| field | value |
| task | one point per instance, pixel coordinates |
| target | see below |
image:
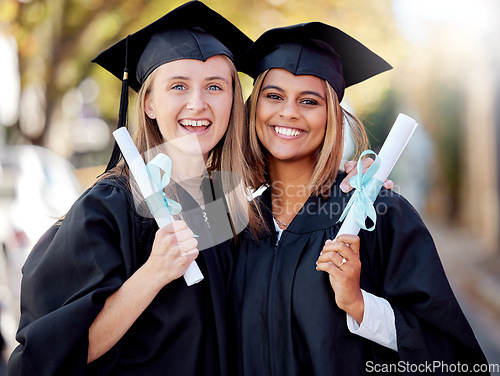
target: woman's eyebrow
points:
(272, 87)
(185, 78)
(307, 92)
(211, 78)
(179, 78)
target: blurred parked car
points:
(36, 188)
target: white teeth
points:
(287, 131)
(195, 123)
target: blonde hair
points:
(328, 156)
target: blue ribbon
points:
(158, 200)
(367, 189)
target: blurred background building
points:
(446, 58)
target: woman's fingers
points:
(351, 170)
(334, 258)
(342, 253)
(344, 244)
(351, 241)
(174, 226)
(174, 248)
(340, 259)
(328, 267)
(175, 232)
(183, 235)
(349, 166)
(187, 245)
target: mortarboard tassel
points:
(122, 115)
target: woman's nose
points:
(196, 101)
(289, 110)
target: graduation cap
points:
(313, 49)
(190, 31)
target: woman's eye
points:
(274, 96)
(309, 101)
(214, 87)
(178, 87)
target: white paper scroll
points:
(396, 141)
(138, 168)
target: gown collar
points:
(316, 214)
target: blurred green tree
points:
(58, 38)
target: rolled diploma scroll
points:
(138, 168)
(393, 146)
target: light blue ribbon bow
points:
(158, 200)
(367, 189)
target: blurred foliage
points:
(58, 38)
(447, 103)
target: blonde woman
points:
(305, 302)
(102, 293)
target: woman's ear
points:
(148, 107)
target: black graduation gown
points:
(75, 267)
(289, 324)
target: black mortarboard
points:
(190, 31)
(313, 49)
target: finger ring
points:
(343, 262)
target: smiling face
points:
(192, 97)
(291, 115)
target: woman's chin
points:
(283, 156)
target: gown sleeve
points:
(407, 271)
(66, 280)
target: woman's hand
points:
(174, 248)
(351, 170)
(340, 259)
